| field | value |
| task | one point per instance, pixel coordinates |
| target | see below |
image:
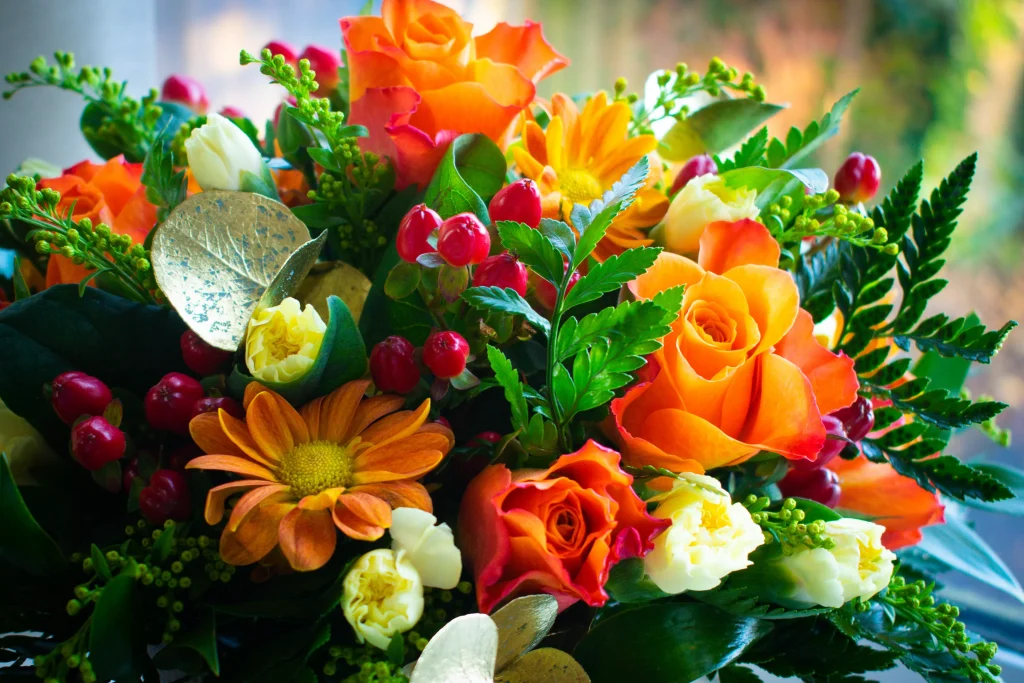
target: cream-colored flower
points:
(428, 545)
(283, 341)
(858, 566)
(24, 446)
(383, 595)
(710, 536)
(702, 201)
(219, 152)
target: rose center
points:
(565, 526)
(713, 325)
(280, 340)
(316, 466)
(578, 185)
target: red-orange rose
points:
(557, 531)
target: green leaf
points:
(631, 323)
(534, 249)
(115, 647)
(508, 378)
(959, 547)
(470, 173)
(1010, 477)
(666, 642)
(737, 674)
(714, 128)
(616, 271)
(774, 184)
(750, 153)
(198, 639)
(593, 220)
(382, 316)
(21, 290)
(402, 281)
(507, 301)
(165, 186)
(800, 144)
(396, 650)
(627, 583)
(23, 543)
(325, 158)
(560, 235)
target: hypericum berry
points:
(131, 472)
(694, 168)
(545, 291)
(279, 47)
(200, 357)
(232, 112)
(169, 403)
(445, 354)
(414, 230)
(463, 239)
(442, 420)
(393, 366)
(502, 270)
(485, 439)
(857, 180)
(835, 441)
(325, 62)
(187, 91)
(166, 497)
(858, 419)
(820, 485)
(518, 201)
(76, 394)
(212, 404)
(95, 442)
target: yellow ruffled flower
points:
(704, 200)
(24, 446)
(383, 595)
(710, 536)
(283, 341)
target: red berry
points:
(833, 428)
(502, 270)
(180, 456)
(445, 353)
(858, 419)
(857, 180)
(414, 230)
(694, 168)
(232, 112)
(200, 357)
(518, 201)
(131, 472)
(820, 485)
(169, 403)
(463, 239)
(279, 47)
(95, 442)
(166, 497)
(187, 91)
(545, 291)
(393, 367)
(442, 420)
(325, 62)
(213, 404)
(485, 439)
(76, 394)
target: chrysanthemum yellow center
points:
(578, 185)
(316, 466)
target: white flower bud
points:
(430, 548)
(218, 152)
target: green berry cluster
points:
(71, 655)
(97, 248)
(177, 145)
(369, 663)
(787, 526)
(675, 86)
(823, 216)
(126, 124)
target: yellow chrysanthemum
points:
(580, 156)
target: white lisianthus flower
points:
(428, 545)
(710, 536)
(858, 566)
(283, 341)
(218, 152)
(704, 200)
(383, 595)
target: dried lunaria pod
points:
(221, 254)
(477, 648)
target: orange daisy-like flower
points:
(342, 462)
(580, 156)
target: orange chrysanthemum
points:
(580, 156)
(343, 461)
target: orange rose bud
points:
(557, 531)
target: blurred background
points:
(939, 79)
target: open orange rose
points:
(110, 193)
(418, 79)
(888, 498)
(740, 372)
(556, 531)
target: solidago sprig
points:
(822, 216)
(787, 526)
(96, 247)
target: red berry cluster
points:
(393, 364)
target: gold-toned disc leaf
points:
(217, 253)
(522, 624)
(546, 665)
(461, 652)
(337, 278)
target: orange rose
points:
(418, 79)
(741, 371)
(888, 498)
(110, 193)
(556, 531)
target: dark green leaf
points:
(507, 377)
(714, 128)
(628, 583)
(507, 301)
(1010, 477)
(614, 272)
(960, 547)
(396, 650)
(737, 674)
(23, 542)
(470, 173)
(383, 316)
(115, 648)
(200, 638)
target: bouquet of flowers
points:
(431, 379)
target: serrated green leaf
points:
(616, 271)
(560, 235)
(750, 153)
(507, 301)
(601, 212)
(799, 145)
(534, 249)
(508, 378)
